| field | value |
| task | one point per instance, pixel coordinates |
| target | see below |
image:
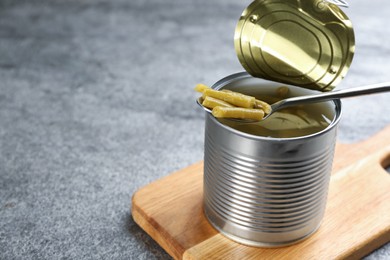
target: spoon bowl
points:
(326, 96)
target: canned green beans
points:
(261, 190)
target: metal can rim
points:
(241, 75)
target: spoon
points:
(288, 102)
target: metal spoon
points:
(288, 102)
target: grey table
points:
(97, 100)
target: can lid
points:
(304, 43)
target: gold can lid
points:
(304, 43)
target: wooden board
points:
(356, 221)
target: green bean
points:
(201, 88)
(263, 105)
(238, 112)
(233, 98)
(282, 91)
(211, 102)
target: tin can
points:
(263, 191)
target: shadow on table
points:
(145, 241)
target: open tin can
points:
(266, 191)
(272, 191)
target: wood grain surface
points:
(356, 220)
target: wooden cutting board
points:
(356, 221)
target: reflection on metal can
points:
(265, 191)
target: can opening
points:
(294, 122)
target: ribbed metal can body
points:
(266, 192)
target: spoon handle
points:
(351, 92)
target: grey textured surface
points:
(96, 101)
